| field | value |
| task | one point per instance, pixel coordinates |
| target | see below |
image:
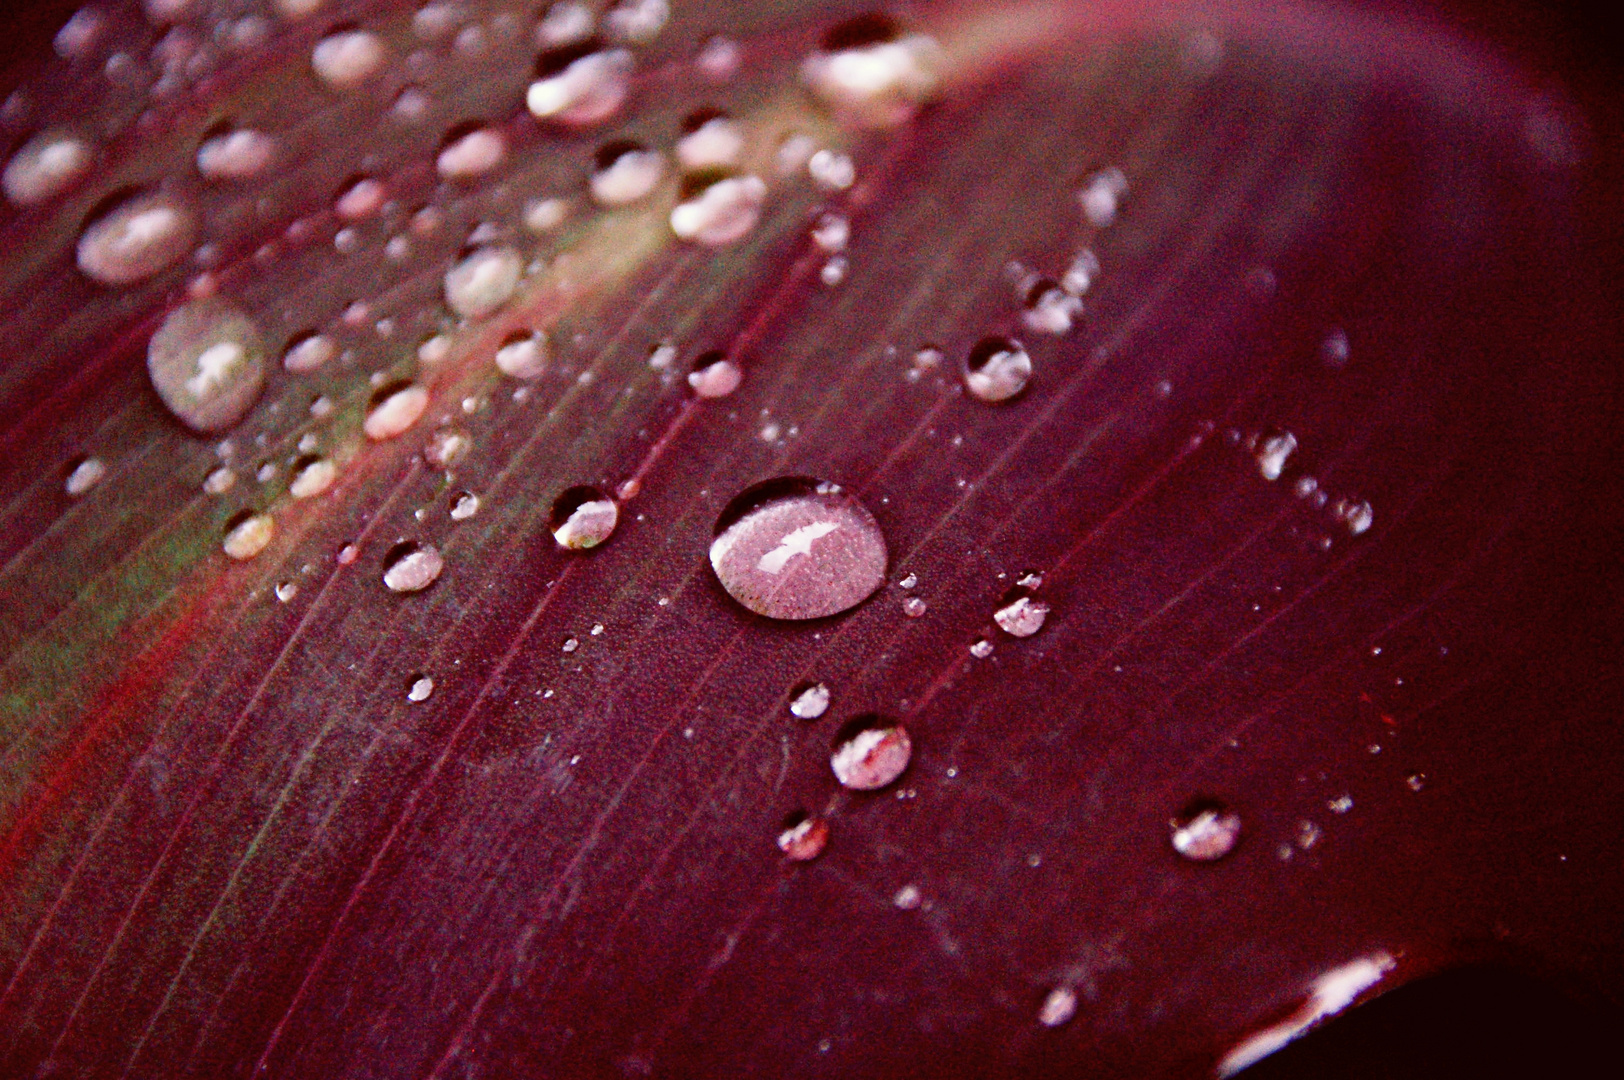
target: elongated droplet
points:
(394, 409)
(309, 352)
(869, 753)
(142, 236)
(997, 369)
(207, 362)
(1205, 830)
(235, 154)
(803, 837)
(583, 517)
(311, 477)
(624, 171)
(710, 140)
(717, 209)
(797, 548)
(871, 73)
(45, 166)
(419, 688)
(470, 151)
(348, 58)
(85, 474)
(247, 534)
(411, 567)
(809, 701)
(523, 355)
(1058, 1007)
(580, 83)
(483, 281)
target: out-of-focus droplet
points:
(1205, 830)
(470, 150)
(715, 209)
(309, 352)
(483, 281)
(796, 548)
(361, 198)
(913, 607)
(85, 474)
(997, 369)
(247, 534)
(298, 9)
(719, 59)
(579, 83)
(1101, 195)
(869, 72)
(348, 58)
(1273, 452)
(1021, 615)
(803, 837)
(1047, 308)
(1059, 1006)
(636, 21)
(393, 409)
(809, 700)
(80, 35)
(833, 272)
(45, 166)
(869, 753)
(235, 154)
(832, 232)
(464, 506)
(545, 215)
(624, 171)
(1079, 276)
(1334, 349)
(523, 355)
(1416, 781)
(446, 447)
(219, 481)
(583, 517)
(141, 236)
(566, 23)
(419, 687)
(714, 375)
(311, 477)
(831, 171)
(411, 567)
(207, 362)
(1358, 517)
(710, 139)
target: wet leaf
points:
(330, 746)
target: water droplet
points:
(139, 237)
(45, 166)
(636, 21)
(714, 375)
(913, 607)
(1416, 781)
(869, 753)
(1359, 517)
(235, 154)
(871, 73)
(419, 687)
(360, 199)
(545, 215)
(394, 408)
(464, 506)
(715, 208)
(833, 271)
(298, 9)
(286, 590)
(809, 700)
(347, 58)
(909, 581)
(80, 35)
(207, 363)
(1101, 195)
(446, 446)
(1058, 1007)
(719, 59)
(1205, 830)
(523, 355)
(803, 837)
(309, 352)
(484, 281)
(832, 232)
(583, 517)
(1335, 350)
(1273, 452)
(311, 477)
(411, 567)
(571, 644)
(1048, 308)
(906, 898)
(981, 648)
(1308, 834)
(710, 139)
(1031, 580)
(1021, 615)
(997, 369)
(624, 171)
(247, 534)
(470, 150)
(831, 171)
(1080, 275)
(565, 22)
(219, 481)
(85, 474)
(579, 83)
(1340, 805)
(796, 548)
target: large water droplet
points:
(45, 166)
(483, 281)
(624, 171)
(1205, 830)
(802, 836)
(871, 73)
(716, 209)
(137, 238)
(1021, 615)
(393, 409)
(583, 517)
(411, 567)
(247, 534)
(997, 369)
(797, 548)
(579, 83)
(347, 58)
(869, 753)
(207, 363)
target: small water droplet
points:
(624, 171)
(719, 59)
(484, 281)
(710, 139)
(348, 57)
(136, 239)
(523, 355)
(1334, 349)
(219, 481)
(809, 700)
(832, 232)
(1047, 308)
(832, 171)
(233, 153)
(1031, 580)
(446, 446)
(394, 408)
(796, 548)
(286, 590)
(1101, 196)
(1021, 615)
(1205, 830)
(1059, 1006)
(85, 474)
(716, 208)
(45, 166)
(981, 648)
(1359, 517)
(913, 607)
(1079, 276)
(1308, 834)
(419, 687)
(309, 352)
(571, 644)
(1273, 452)
(803, 837)
(909, 581)
(906, 898)
(1416, 781)
(247, 533)
(1340, 805)
(470, 150)
(869, 753)
(207, 363)
(360, 199)
(583, 517)
(833, 272)
(997, 369)
(578, 83)
(872, 74)
(636, 21)
(410, 566)
(714, 375)
(311, 477)
(464, 506)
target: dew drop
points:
(709, 139)
(803, 837)
(624, 171)
(716, 209)
(446, 446)
(832, 232)
(1416, 781)
(1079, 276)
(831, 171)
(545, 215)
(1205, 830)
(906, 898)
(1273, 452)
(809, 700)
(1334, 349)
(637, 21)
(565, 22)
(235, 154)
(833, 272)
(1021, 615)
(1048, 308)
(45, 166)
(797, 548)
(360, 199)
(1101, 195)
(410, 567)
(464, 506)
(286, 590)
(309, 352)
(981, 648)
(207, 363)
(484, 281)
(298, 9)
(869, 72)
(394, 408)
(997, 369)
(469, 151)
(247, 534)
(571, 644)
(139, 237)
(714, 375)
(523, 355)
(1058, 1007)
(579, 83)
(1359, 517)
(913, 607)
(347, 58)
(1340, 805)
(311, 477)
(85, 474)
(219, 481)
(583, 517)
(419, 688)
(869, 753)
(80, 34)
